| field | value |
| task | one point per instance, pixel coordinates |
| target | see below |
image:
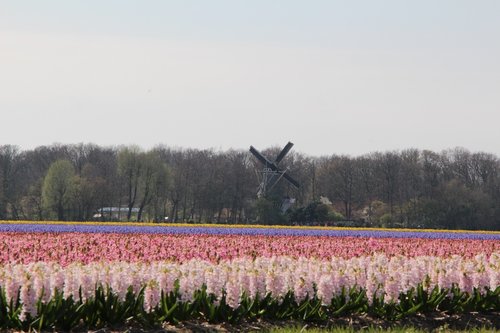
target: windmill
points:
(272, 174)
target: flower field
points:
(67, 275)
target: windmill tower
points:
(271, 174)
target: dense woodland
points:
(411, 188)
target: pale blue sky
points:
(345, 77)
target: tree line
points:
(455, 188)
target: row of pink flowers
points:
(66, 248)
(377, 274)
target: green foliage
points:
(58, 187)
(322, 212)
(269, 211)
(315, 212)
(105, 309)
(335, 216)
(386, 220)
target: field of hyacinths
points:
(91, 275)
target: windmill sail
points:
(271, 173)
(283, 153)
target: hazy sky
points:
(343, 77)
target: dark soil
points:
(427, 322)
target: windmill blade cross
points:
(283, 152)
(291, 180)
(262, 159)
(271, 170)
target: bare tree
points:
(338, 176)
(129, 169)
